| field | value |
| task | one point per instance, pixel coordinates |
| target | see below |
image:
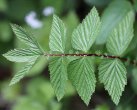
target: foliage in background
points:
(7, 41)
(112, 73)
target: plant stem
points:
(133, 62)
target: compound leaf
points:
(84, 36)
(112, 73)
(81, 74)
(58, 75)
(121, 36)
(58, 35)
(25, 37)
(18, 76)
(21, 55)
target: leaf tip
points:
(86, 102)
(116, 102)
(5, 56)
(55, 16)
(94, 8)
(59, 98)
(13, 25)
(11, 83)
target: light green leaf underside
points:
(111, 17)
(121, 36)
(84, 36)
(19, 75)
(58, 35)
(58, 75)
(81, 74)
(26, 37)
(112, 73)
(21, 55)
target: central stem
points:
(96, 55)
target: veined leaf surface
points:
(19, 75)
(81, 74)
(21, 55)
(58, 35)
(112, 73)
(85, 34)
(58, 75)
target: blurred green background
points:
(34, 92)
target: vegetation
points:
(81, 58)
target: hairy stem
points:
(133, 62)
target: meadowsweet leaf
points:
(111, 17)
(58, 75)
(58, 35)
(21, 55)
(112, 73)
(121, 36)
(85, 34)
(26, 37)
(19, 75)
(81, 74)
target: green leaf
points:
(21, 55)
(81, 74)
(18, 76)
(111, 17)
(121, 36)
(58, 35)
(25, 37)
(112, 73)
(84, 36)
(58, 75)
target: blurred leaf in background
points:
(122, 108)
(102, 107)
(111, 16)
(3, 5)
(134, 80)
(39, 96)
(27, 103)
(10, 93)
(41, 90)
(5, 31)
(135, 4)
(98, 3)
